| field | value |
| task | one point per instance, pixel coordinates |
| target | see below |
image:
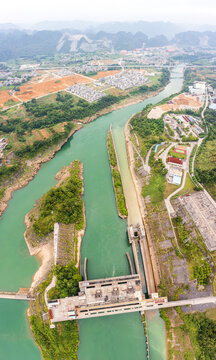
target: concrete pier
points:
(85, 268)
(130, 263)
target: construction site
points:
(181, 102)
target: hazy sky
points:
(181, 11)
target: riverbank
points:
(35, 164)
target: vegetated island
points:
(61, 205)
(37, 129)
(116, 177)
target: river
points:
(105, 244)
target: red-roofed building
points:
(176, 161)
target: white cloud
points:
(196, 11)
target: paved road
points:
(145, 164)
(50, 286)
(164, 154)
(200, 140)
(147, 167)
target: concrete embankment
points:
(148, 252)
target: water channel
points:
(105, 244)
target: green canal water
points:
(104, 244)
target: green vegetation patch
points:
(67, 283)
(188, 138)
(202, 273)
(2, 190)
(205, 171)
(58, 343)
(111, 150)
(198, 267)
(118, 188)
(157, 183)
(29, 151)
(202, 332)
(62, 204)
(150, 130)
(171, 132)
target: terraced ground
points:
(67, 244)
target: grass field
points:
(169, 189)
(176, 154)
(188, 188)
(155, 188)
(208, 151)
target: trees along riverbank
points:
(38, 129)
(62, 204)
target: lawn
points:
(169, 189)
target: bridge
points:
(112, 296)
(22, 294)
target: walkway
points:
(15, 295)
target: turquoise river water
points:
(104, 244)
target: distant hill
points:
(194, 38)
(20, 44)
(16, 43)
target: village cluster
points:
(86, 92)
(11, 80)
(126, 79)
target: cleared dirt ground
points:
(30, 90)
(4, 97)
(102, 74)
(180, 102)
